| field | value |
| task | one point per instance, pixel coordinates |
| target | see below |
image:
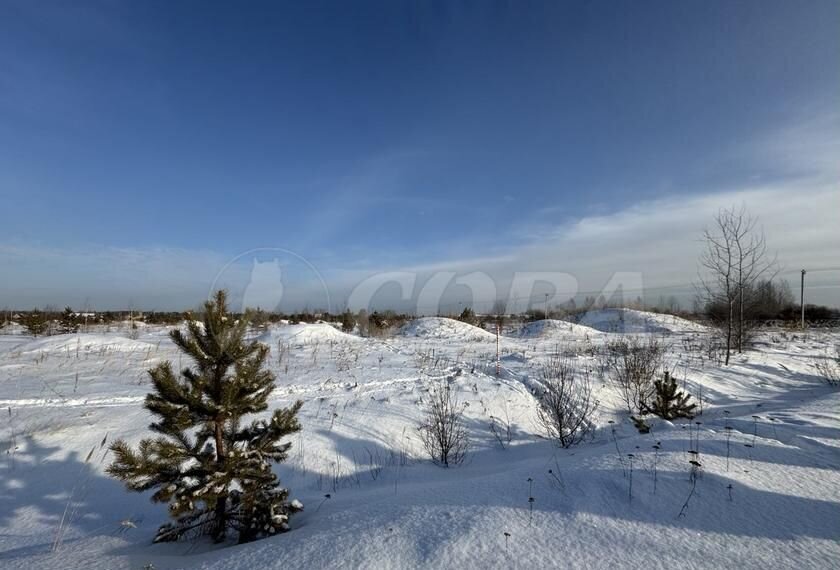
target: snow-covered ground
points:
(774, 503)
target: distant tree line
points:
(761, 301)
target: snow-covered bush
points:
(566, 404)
(442, 430)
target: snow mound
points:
(11, 328)
(85, 343)
(443, 328)
(554, 327)
(632, 321)
(305, 334)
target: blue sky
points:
(167, 138)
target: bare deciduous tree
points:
(753, 264)
(566, 404)
(735, 259)
(442, 431)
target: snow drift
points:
(443, 328)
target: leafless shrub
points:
(631, 366)
(566, 404)
(422, 358)
(828, 367)
(283, 349)
(431, 359)
(714, 349)
(442, 431)
(501, 427)
(344, 357)
(315, 347)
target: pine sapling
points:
(669, 403)
(213, 470)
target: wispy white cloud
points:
(658, 239)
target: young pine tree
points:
(468, 316)
(214, 471)
(68, 323)
(35, 322)
(670, 403)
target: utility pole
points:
(802, 300)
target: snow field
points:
(774, 502)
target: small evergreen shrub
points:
(468, 316)
(669, 402)
(68, 323)
(35, 322)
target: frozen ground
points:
(776, 504)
